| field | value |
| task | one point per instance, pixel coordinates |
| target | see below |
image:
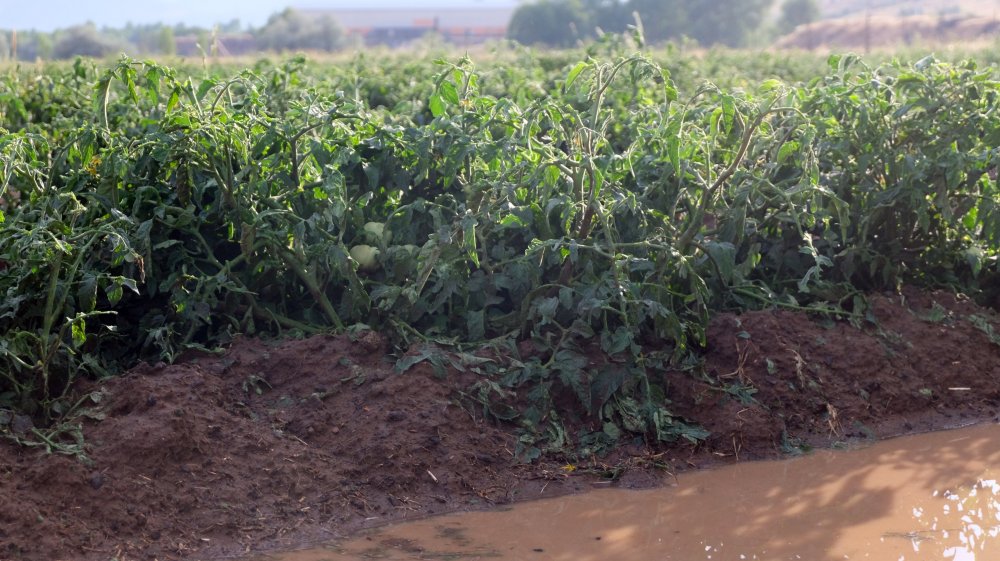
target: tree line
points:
(284, 31)
(563, 23)
(556, 23)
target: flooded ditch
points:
(930, 496)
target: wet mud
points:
(928, 497)
(273, 446)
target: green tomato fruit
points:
(365, 256)
(375, 231)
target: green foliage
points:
(285, 31)
(797, 12)
(908, 152)
(662, 19)
(563, 23)
(594, 209)
(166, 43)
(725, 22)
(709, 22)
(83, 40)
(291, 30)
(43, 47)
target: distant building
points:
(394, 27)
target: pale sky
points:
(46, 15)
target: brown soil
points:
(278, 445)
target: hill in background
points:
(880, 24)
(834, 9)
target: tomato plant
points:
(595, 208)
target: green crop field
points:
(604, 201)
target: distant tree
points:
(797, 12)
(143, 38)
(557, 23)
(726, 22)
(4, 45)
(293, 30)
(562, 23)
(44, 47)
(661, 19)
(166, 43)
(710, 22)
(82, 40)
(234, 26)
(608, 15)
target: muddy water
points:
(933, 496)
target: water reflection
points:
(930, 497)
(967, 524)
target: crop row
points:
(587, 206)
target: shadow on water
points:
(828, 505)
(927, 497)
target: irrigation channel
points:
(931, 496)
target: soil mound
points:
(274, 445)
